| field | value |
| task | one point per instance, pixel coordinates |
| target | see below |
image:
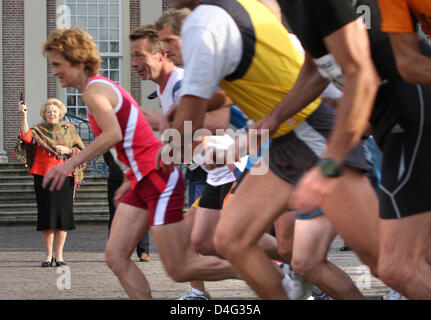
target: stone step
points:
(31, 197)
(30, 217)
(16, 179)
(11, 166)
(76, 210)
(82, 191)
(29, 185)
(19, 165)
(21, 220)
(25, 186)
(26, 213)
(25, 178)
(76, 205)
(13, 172)
(13, 191)
(18, 200)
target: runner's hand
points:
(270, 123)
(121, 191)
(311, 191)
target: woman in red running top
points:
(149, 197)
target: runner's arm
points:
(413, 66)
(153, 117)
(351, 49)
(298, 98)
(217, 119)
(191, 108)
(219, 100)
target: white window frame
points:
(104, 55)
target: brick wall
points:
(51, 24)
(135, 21)
(167, 4)
(13, 70)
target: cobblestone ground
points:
(21, 277)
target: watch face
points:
(329, 168)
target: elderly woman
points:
(40, 148)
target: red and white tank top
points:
(139, 147)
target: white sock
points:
(285, 283)
(316, 290)
(198, 292)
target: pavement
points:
(88, 278)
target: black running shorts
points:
(213, 197)
(406, 171)
(293, 154)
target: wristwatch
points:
(330, 168)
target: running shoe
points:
(394, 295)
(191, 295)
(317, 294)
(144, 257)
(296, 287)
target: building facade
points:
(26, 25)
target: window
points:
(101, 19)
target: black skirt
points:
(54, 209)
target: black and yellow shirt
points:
(269, 65)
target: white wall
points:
(35, 71)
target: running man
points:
(213, 199)
(235, 50)
(155, 198)
(152, 64)
(219, 180)
(400, 122)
